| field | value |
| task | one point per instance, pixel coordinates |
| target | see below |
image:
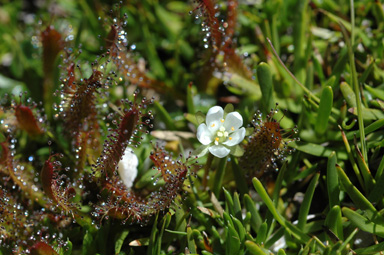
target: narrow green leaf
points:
(377, 192)
(250, 88)
(332, 181)
(351, 158)
(181, 233)
(227, 219)
(366, 173)
(347, 241)
(232, 241)
(367, 71)
(67, 248)
(324, 111)
(239, 176)
(251, 207)
(152, 239)
(380, 169)
(191, 241)
(334, 222)
(200, 151)
(290, 228)
(120, 240)
(88, 247)
(264, 77)
(229, 108)
(317, 150)
(200, 117)
(261, 236)
(190, 103)
(368, 113)
(358, 199)
(237, 206)
(228, 201)
(374, 249)
(355, 82)
(239, 228)
(219, 176)
(369, 129)
(299, 39)
(164, 116)
(254, 249)
(363, 223)
(305, 206)
(348, 94)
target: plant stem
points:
(219, 176)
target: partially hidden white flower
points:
(127, 167)
(220, 134)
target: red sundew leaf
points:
(124, 204)
(70, 80)
(42, 248)
(27, 120)
(230, 25)
(265, 145)
(52, 45)
(209, 11)
(234, 63)
(274, 131)
(130, 69)
(115, 152)
(165, 163)
(47, 174)
(4, 153)
(81, 103)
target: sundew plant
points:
(191, 127)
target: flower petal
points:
(233, 120)
(219, 151)
(214, 116)
(127, 167)
(237, 137)
(203, 134)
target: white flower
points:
(127, 167)
(221, 134)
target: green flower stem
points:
(206, 170)
(219, 176)
(351, 158)
(239, 176)
(349, 42)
